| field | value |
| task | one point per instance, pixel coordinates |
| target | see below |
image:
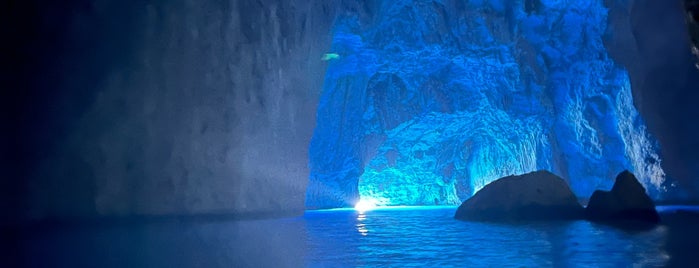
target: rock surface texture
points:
(539, 195)
(652, 39)
(626, 201)
(187, 107)
(429, 101)
(173, 107)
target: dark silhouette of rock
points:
(626, 201)
(539, 195)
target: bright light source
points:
(364, 205)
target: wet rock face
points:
(653, 40)
(430, 101)
(626, 201)
(539, 195)
(180, 108)
(692, 18)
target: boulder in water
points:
(626, 201)
(539, 195)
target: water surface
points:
(408, 237)
(347, 238)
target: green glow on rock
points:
(330, 56)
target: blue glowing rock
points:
(626, 201)
(539, 195)
(431, 101)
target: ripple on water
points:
(345, 238)
(418, 237)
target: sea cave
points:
(346, 133)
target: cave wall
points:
(167, 107)
(651, 39)
(431, 100)
(181, 107)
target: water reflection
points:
(433, 237)
(361, 227)
(176, 243)
(341, 238)
(584, 241)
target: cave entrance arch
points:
(427, 102)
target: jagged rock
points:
(692, 18)
(626, 201)
(539, 195)
(462, 93)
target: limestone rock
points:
(461, 93)
(626, 201)
(183, 108)
(539, 195)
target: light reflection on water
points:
(361, 227)
(433, 237)
(425, 237)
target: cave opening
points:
(460, 94)
(213, 133)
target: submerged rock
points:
(539, 195)
(626, 201)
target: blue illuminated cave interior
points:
(350, 133)
(425, 102)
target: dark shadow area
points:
(650, 38)
(54, 57)
(682, 238)
(211, 241)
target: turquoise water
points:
(424, 237)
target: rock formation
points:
(626, 201)
(429, 101)
(539, 195)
